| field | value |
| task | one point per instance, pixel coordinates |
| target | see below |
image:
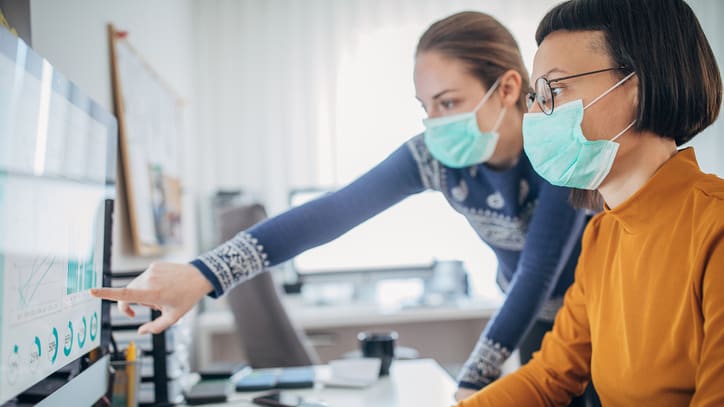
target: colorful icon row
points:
(72, 336)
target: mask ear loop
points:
(623, 131)
(488, 94)
(500, 120)
(611, 89)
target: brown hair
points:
(481, 42)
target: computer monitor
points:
(415, 233)
(374, 243)
(57, 184)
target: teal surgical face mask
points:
(457, 142)
(561, 154)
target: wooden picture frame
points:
(150, 119)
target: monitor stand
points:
(84, 389)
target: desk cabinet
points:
(446, 334)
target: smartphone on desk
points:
(284, 378)
(281, 399)
(224, 370)
(256, 381)
(296, 378)
(208, 391)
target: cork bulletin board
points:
(150, 123)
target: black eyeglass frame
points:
(532, 96)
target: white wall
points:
(709, 145)
(72, 35)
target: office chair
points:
(269, 338)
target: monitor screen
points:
(413, 233)
(57, 169)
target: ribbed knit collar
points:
(669, 182)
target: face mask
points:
(561, 154)
(457, 142)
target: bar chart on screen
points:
(82, 274)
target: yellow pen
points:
(131, 374)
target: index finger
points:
(123, 294)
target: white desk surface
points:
(332, 316)
(412, 383)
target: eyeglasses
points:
(543, 94)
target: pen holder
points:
(126, 381)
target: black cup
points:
(378, 345)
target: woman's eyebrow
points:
(437, 95)
(442, 93)
(555, 70)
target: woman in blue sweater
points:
(471, 80)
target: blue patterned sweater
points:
(528, 223)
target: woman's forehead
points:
(570, 52)
(434, 71)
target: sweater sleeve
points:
(710, 371)
(317, 222)
(553, 237)
(558, 372)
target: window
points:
(376, 112)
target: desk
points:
(412, 383)
(445, 333)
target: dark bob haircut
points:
(680, 87)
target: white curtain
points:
(298, 93)
(709, 145)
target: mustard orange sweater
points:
(645, 316)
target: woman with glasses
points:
(619, 86)
(471, 81)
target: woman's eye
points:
(447, 104)
(556, 91)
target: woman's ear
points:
(633, 90)
(509, 88)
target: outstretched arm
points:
(176, 288)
